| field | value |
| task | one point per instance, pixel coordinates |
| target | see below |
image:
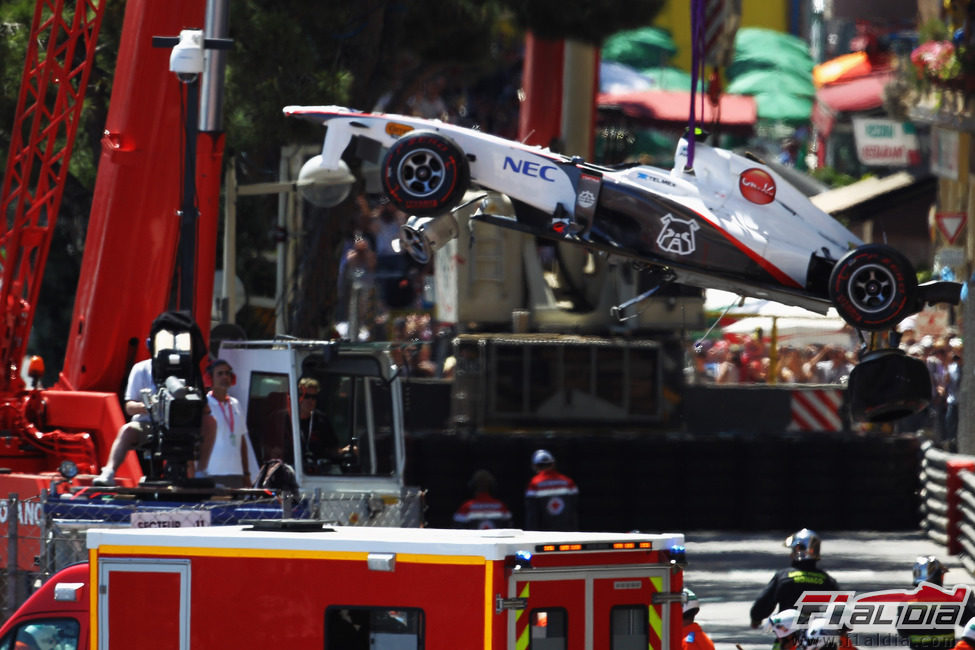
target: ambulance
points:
(308, 584)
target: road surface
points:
(728, 570)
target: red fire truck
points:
(305, 584)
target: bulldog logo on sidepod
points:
(677, 235)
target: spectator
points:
(829, 364)
(484, 510)
(551, 498)
(790, 369)
(410, 351)
(230, 461)
(953, 374)
(729, 366)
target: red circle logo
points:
(757, 185)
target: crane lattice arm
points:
(61, 51)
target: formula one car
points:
(729, 222)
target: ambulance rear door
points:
(614, 607)
(143, 603)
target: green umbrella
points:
(769, 42)
(764, 49)
(668, 78)
(758, 81)
(782, 107)
(640, 48)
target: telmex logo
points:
(924, 607)
(529, 168)
(757, 186)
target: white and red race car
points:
(730, 223)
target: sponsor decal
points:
(677, 235)
(529, 168)
(29, 513)
(926, 607)
(757, 186)
(586, 199)
(396, 129)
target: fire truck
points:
(308, 584)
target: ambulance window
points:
(628, 627)
(549, 629)
(45, 634)
(374, 628)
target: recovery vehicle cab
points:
(305, 584)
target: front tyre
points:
(425, 173)
(873, 287)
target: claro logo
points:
(757, 186)
(529, 168)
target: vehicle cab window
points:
(43, 634)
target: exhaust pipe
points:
(424, 236)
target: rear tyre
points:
(873, 287)
(888, 385)
(425, 173)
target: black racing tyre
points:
(888, 385)
(873, 287)
(425, 173)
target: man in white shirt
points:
(230, 460)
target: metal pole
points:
(230, 305)
(214, 64)
(13, 519)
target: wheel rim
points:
(421, 172)
(415, 244)
(872, 288)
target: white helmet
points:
(782, 624)
(804, 544)
(816, 636)
(927, 568)
(691, 601)
(969, 631)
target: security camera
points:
(186, 59)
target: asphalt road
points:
(728, 570)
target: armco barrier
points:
(948, 501)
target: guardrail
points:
(948, 501)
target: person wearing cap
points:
(787, 585)
(694, 637)
(484, 510)
(928, 570)
(229, 458)
(551, 498)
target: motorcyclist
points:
(693, 636)
(787, 585)
(929, 570)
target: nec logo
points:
(528, 168)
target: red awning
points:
(863, 94)
(673, 108)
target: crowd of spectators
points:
(750, 361)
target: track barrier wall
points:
(948, 501)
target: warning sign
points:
(950, 224)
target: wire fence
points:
(45, 534)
